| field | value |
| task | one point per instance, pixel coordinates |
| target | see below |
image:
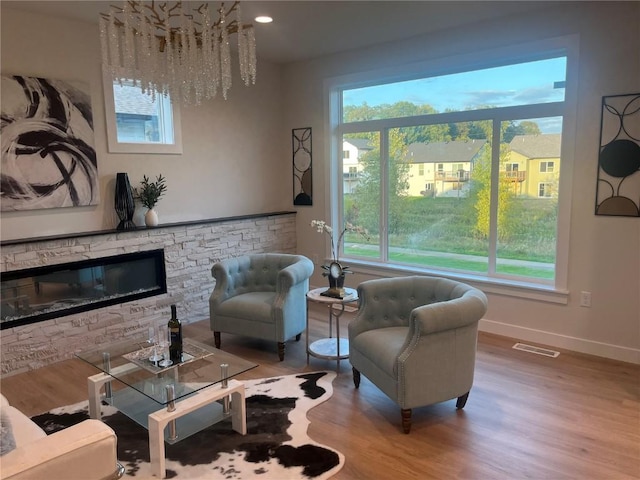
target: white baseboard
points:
(614, 352)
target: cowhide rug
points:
(276, 446)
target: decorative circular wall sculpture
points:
(302, 178)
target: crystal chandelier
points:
(168, 48)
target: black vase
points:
(125, 206)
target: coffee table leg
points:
(156, 448)
(239, 412)
(95, 383)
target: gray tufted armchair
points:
(261, 296)
(415, 339)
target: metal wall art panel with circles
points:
(302, 178)
(618, 186)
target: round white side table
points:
(332, 348)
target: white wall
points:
(232, 163)
(604, 251)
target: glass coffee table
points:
(171, 402)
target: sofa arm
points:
(449, 315)
(84, 451)
(221, 290)
(294, 274)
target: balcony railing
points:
(460, 176)
(514, 176)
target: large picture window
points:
(457, 173)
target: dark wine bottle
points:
(175, 334)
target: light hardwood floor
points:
(528, 416)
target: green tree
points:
(365, 206)
(522, 128)
(480, 195)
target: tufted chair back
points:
(252, 273)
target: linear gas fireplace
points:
(42, 293)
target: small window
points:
(547, 167)
(345, 154)
(421, 169)
(544, 190)
(138, 122)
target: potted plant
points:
(149, 193)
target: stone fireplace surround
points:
(191, 249)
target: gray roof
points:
(537, 146)
(131, 100)
(360, 143)
(459, 151)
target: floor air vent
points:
(537, 350)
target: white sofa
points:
(84, 451)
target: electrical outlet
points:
(315, 258)
(585, 299)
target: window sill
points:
(498, 286)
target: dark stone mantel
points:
(63, 236)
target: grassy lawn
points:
(469, 265)
(449, 225)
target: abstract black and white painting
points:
(47, 141)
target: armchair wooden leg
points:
(356, 377)
(281, 350)
(406, 419)
(216, 339)
(462, 401)
(298, 336)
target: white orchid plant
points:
(322, 227)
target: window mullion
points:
(494, 195)
(384, 194)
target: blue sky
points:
(519, 84)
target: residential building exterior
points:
(533, 165)
(442, 169)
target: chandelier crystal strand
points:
(225, 56)
(143, 47)
(113, 63)
(181, 59)
(168, 70)
(242, 48)
(216, 59)
(251, 42)
(207, 55)
(104, 39)
(195, 59)
(148, 72)
(129, 62)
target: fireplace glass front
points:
(42, 293)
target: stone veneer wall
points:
(190, 250)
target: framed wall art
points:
(618, 186)
(47, 138)
(302, 175)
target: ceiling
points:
(305, 29)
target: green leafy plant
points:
(150, 192)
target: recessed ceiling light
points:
(264, 19)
